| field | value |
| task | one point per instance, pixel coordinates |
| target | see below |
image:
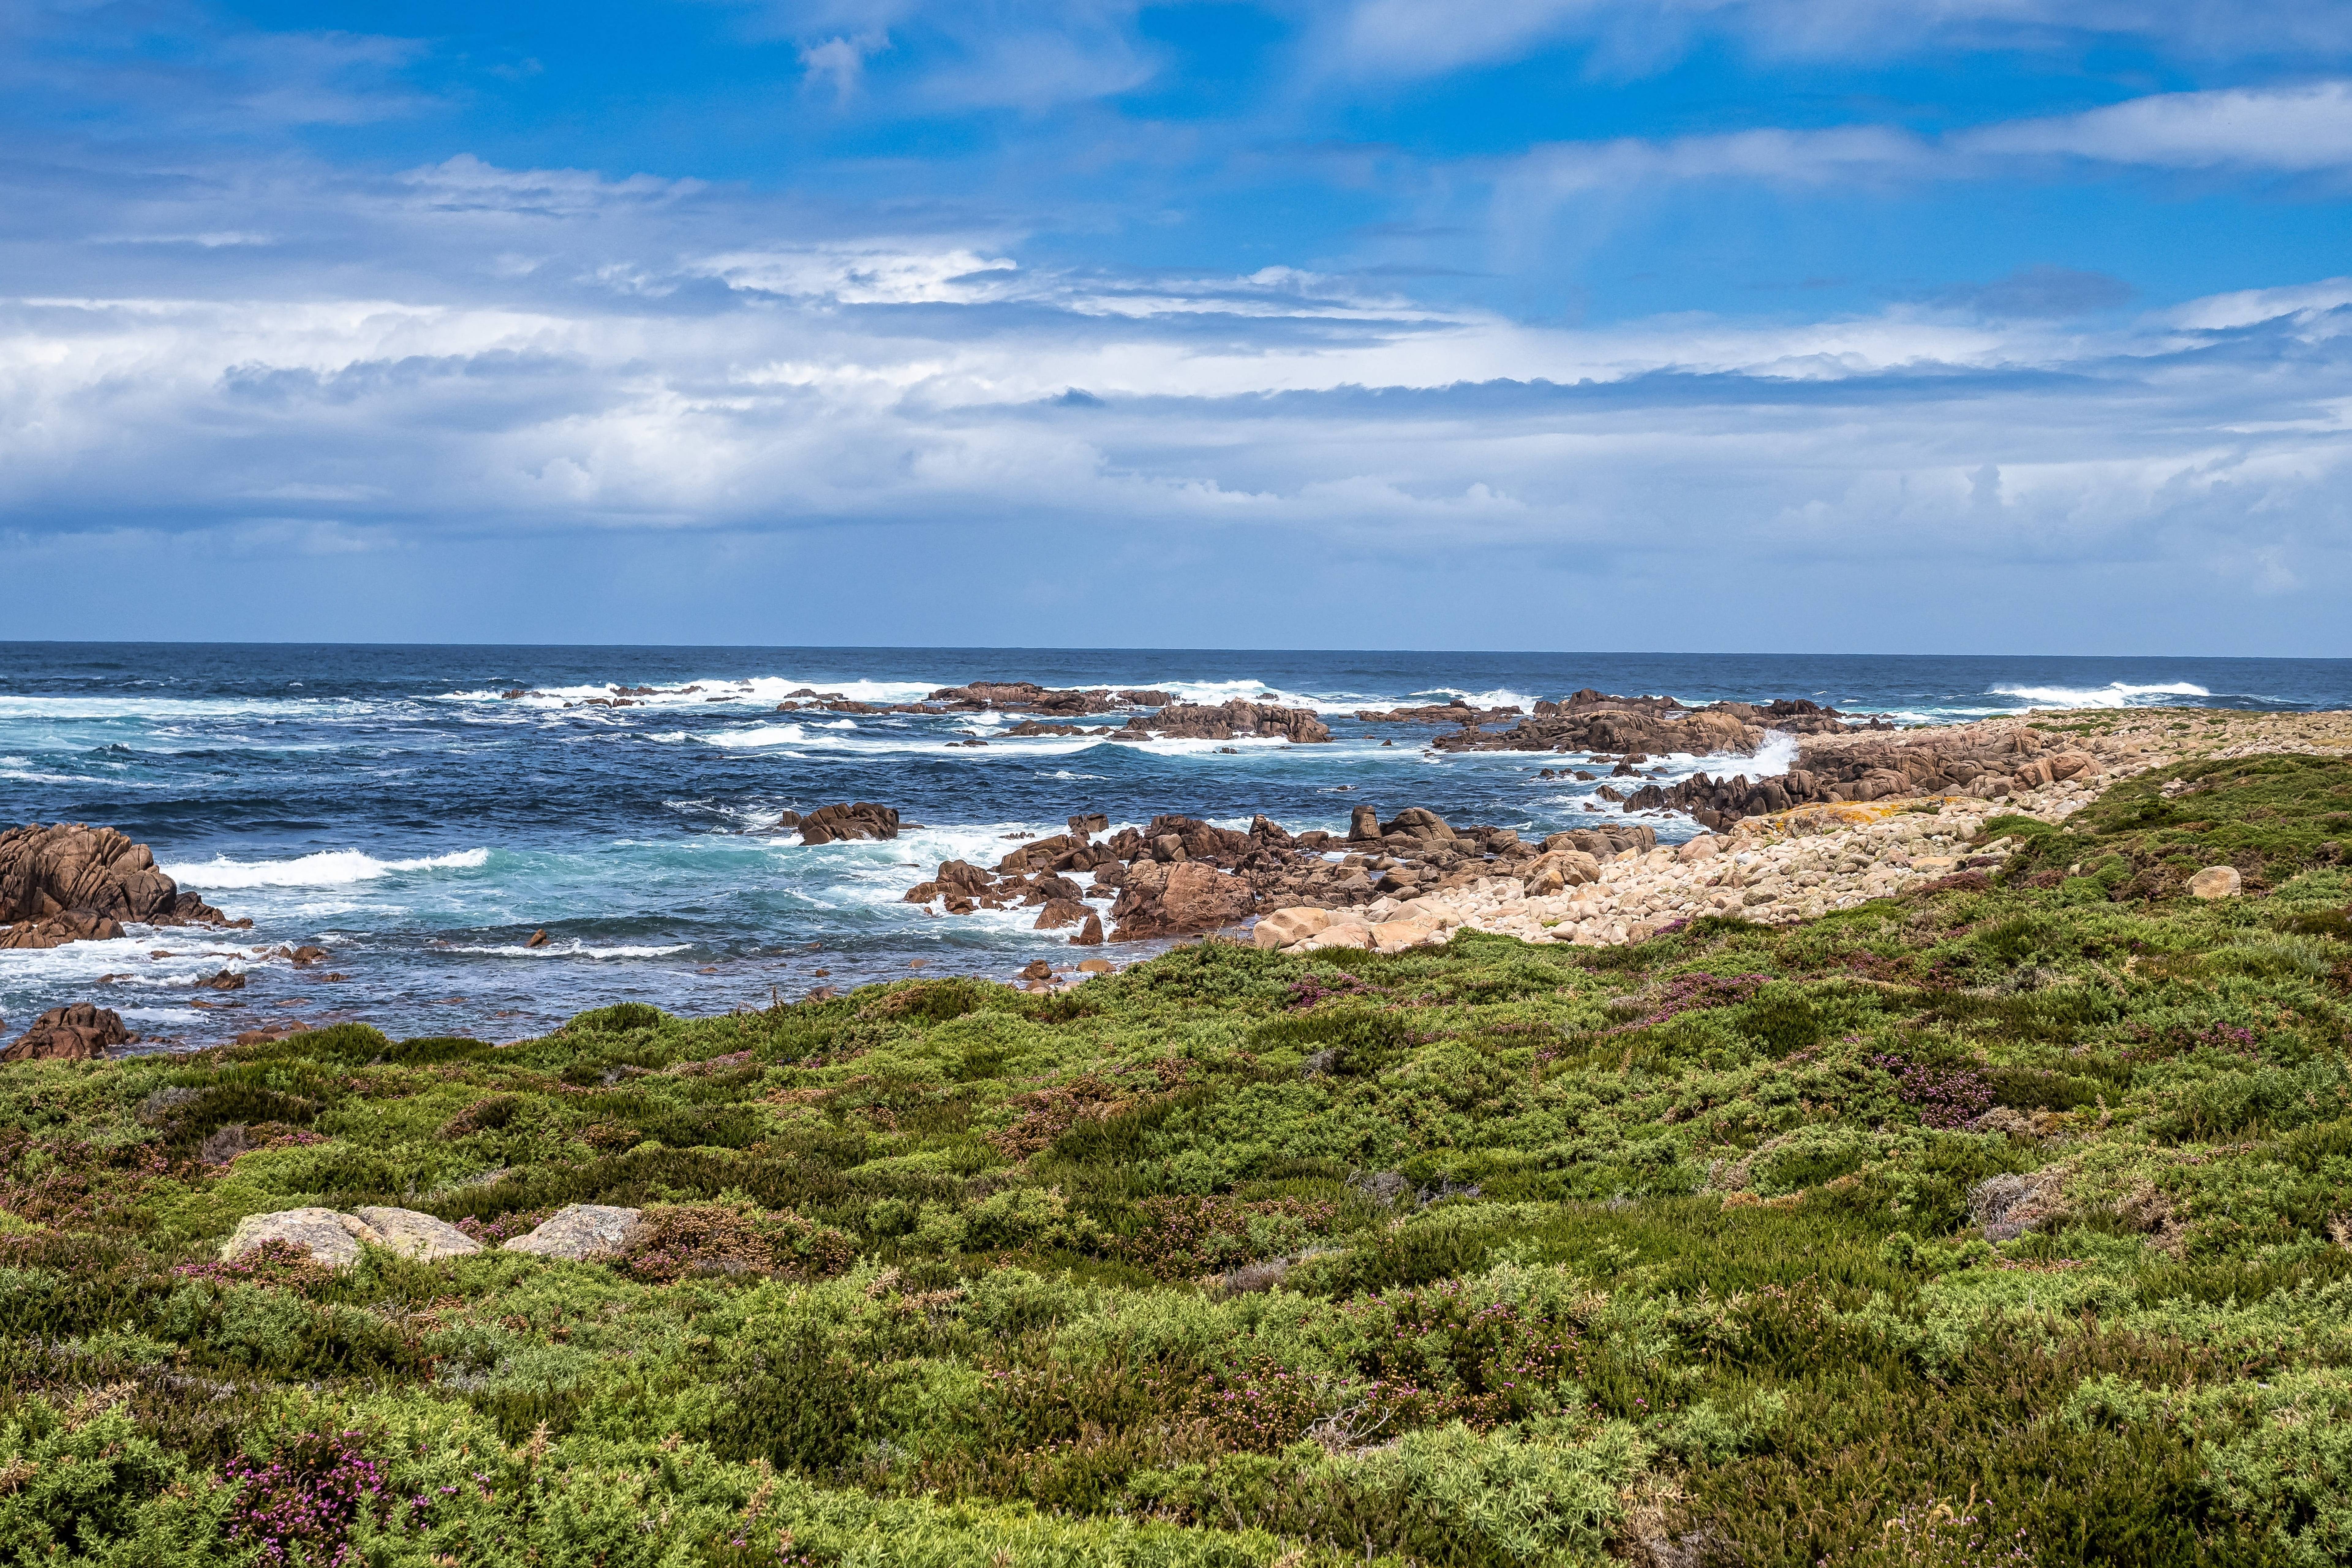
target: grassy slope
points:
(1716, 1285)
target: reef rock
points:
(70, 882)
(78, 1033)
(1230, 721)
(862, 819)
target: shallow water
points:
(387, 804)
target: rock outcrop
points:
(1987, 765)
(72, 882)
(861, 819)
(78, 1033)
(1235, 720)
(1594, 722)
(1178, 875)
(335, 1239)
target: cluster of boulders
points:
(71, 882)
(576, 1233)
(1178, 874)
(833, 823)
(1931, 762)
(1597, 723)
(78, 1033)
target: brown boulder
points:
(78, 1033)
(1060, 912)
(76, 882)
(863, 819)
(1195, 897)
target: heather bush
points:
(1484, 1254)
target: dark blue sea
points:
(388, 804)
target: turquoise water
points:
(389, 804)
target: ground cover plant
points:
(2000, 1224)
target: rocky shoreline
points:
(1806, 860)
(1873, 824)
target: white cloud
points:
(1414, 39)
(2296, 130)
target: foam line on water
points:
(2114, 694)
(325, 868)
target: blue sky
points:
(1969, 325)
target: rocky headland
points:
(1872, 837)
(71, 882)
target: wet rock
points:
(46, 871)
(581, 1231)
(1089, 935)
(1060, 912)
(80, 1032)
(223, 980)
(862, 819)
(1195, 722)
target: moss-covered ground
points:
(1487, 1255)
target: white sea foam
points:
(326, 868)
(572, 949)
(1774, 758)
(762, 735)
(2116, 694)
(1499, 697)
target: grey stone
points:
(419, 1236)
(330, 1238)
(581, 1231)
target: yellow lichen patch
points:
(1829, 816)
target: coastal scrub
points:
(1996, 1222)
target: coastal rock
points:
(72, 882)
(67, 925)
(862, 819)
(417, 1236)
(80, 1032)
(1195, 721)
(2216, 882)
(330, 1238)
(1283, 927)
(1089, 935)
(1190, 897)
(581, 1231)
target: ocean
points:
(389, 804)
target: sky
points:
(1991, 326)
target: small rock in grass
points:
(332, 1238)
(580, 1231)
(2216, 882)
(419, 1235)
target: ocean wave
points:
(765, 735)
(326, 868)
(572, 949)
(1499, 697)
(2114, 694)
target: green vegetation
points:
(1996, 1226)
